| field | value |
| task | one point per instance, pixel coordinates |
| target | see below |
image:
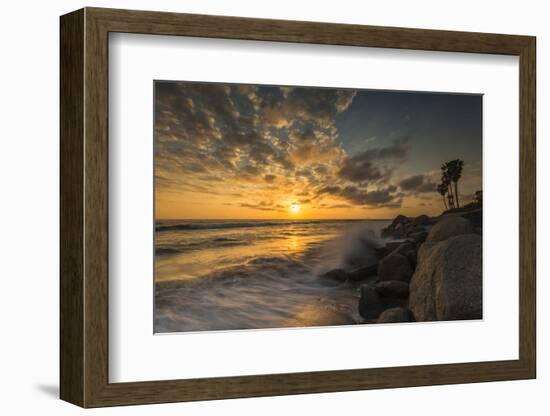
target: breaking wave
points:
(242, 277)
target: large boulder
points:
(393, 288)
(418, 237)
(397, 227)
(404, 247)
(393, 293)
(449, 227)
(395, 266)
(363, 273)
(407, 249)
(394, 315)
(447, 283)
(421, 220)
(383, 251)
(370, 302)
(475, 217)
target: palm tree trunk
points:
(456, 194)
(444, 202)
(452, 198)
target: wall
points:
(29, 208)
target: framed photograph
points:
(262, 207)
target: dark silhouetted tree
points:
(454, 173)
(446, 181)
(442, 189)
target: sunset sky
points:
(231, 151)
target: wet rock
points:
(394, 293)
(396, 228)
(335, 276)
(395, 315)
(421, 220)
(447, 283)
(412, 229)
(393, 288)
(363, 273)
(418, 236)
(411, 256)
(449, 227)
(475, 217)
(387, 249)
(370, 302)
(395, 266)
(403, 227)
(403, 248)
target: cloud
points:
(213, 130)
(359, 196)
(372, 164)
(253, 206)
(314, 106)
(228, 140)
(243, 132)
(263, 206)
(418, 184)
(360, 169)
(335, 206)
(344, 98)
(251, 170)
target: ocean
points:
(253, 274)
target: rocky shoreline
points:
(429, 270)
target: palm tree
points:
(446, 181)
(451, 200)
(454, 170)
(442, 189)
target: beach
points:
(253, 274)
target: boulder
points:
(396, 228)
(370, 302)
(411, 256)
(403, 248)
(449, 227)
(418, 236)
(475, 217)
(400, 232)
(421, 220)
(395, 266)
(412, 229)
(447, 283)
(387, 249)
(336, 276)
(394, 315)
(363, 273)
(393, 288)
(400, 219)
(394, 293)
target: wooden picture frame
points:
(84, 207)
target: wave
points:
(180, 247)
(274, 268)
(237, 224)
(354, 248)
(269, 285)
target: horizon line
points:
(273, 219)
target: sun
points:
(295, 208)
